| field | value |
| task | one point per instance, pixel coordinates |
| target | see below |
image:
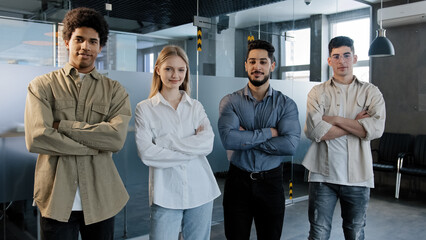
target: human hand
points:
(274, 132)
(199, 129)
(242, 129)
(361, 115)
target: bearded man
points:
(258, 126)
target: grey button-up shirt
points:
(255, 149)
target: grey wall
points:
(402, 79)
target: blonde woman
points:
(173, 137)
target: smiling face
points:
(172, 73)
(342, 60)
(258, 67)
(83, 48)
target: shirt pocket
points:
(64, 109)
(98, 113)
(362, 103)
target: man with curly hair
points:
(74, 119)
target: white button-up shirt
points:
(180, 176)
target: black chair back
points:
(420, 150)
(391, 144)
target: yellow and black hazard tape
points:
(199, 35)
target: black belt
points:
(257, 175)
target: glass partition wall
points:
(299, 33)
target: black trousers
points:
(55, 230)
(258, 197)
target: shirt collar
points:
(247, 92)
(355, 81)
(157, 98)
(73, 72)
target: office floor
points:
(387, 218)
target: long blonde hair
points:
(169, 51)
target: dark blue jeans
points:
(322, 201)
(54, 230)
(260, 199)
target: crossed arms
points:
(281, 138)
(46, 135)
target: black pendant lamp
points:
(381, 46)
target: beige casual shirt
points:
(323, 99)
(94, 115)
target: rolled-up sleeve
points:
(315, 127)
(375, 124)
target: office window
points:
(297, 47)
(296, 54)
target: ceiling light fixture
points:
(381, 46)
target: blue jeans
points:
(195, 223)
(322, 201)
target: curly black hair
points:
(85, 17)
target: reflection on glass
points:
(149, 62)
(26, 43)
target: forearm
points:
(104, 136)
(197, 144)
(160, 157)
(281, 145)
(40, 135)
(334, 132)
(244, 139)
(351, 126)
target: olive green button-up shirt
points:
(93, 115)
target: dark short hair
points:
(339, 42)
(85, 17)
(261, 44)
